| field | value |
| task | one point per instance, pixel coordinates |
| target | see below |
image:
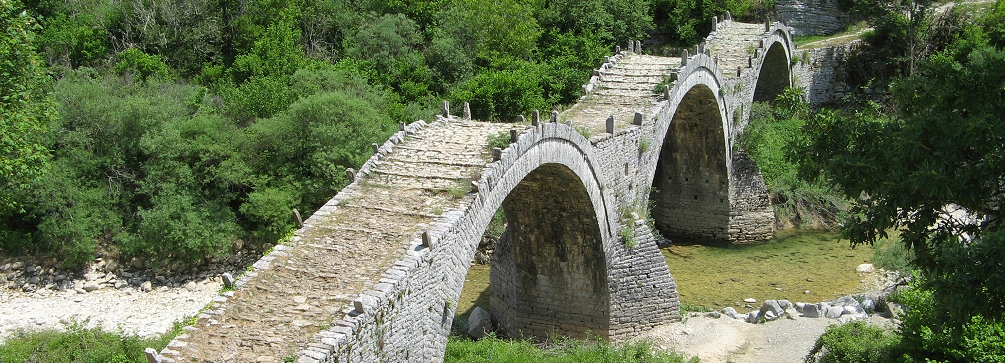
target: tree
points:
(935, 171)
(26, 106)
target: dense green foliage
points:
(931, 166)
(495, 350)
(183, 128)
(78, 345)
(856, 341)
(921, 337)
(26, 108)
(766, 139)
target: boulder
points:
(146, 286)
(865, 268)
(800, 306)
(785, 304)
(810, 311)
(479, 323)
(834, 312)
(868, 304)
(752, 317)
(772, 307)
(730, 312)
(91, 286)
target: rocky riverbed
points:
(117, 298)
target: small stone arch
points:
(775, 73)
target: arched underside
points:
(774, 75)
(691, 182)
(549, 274)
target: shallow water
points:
(784, 268)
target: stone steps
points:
(302, 290)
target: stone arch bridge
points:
(374, 275)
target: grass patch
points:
(805, 39)
(892, 255)
(80, 345)
(582, 130)
(492, 349)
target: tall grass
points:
(495, 350)
(79, 344)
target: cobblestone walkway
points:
(312, 279)
(628, 87)
(733, 43)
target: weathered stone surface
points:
(834, 312)
(730, 312)
(771, 310)
(146, 286)
(479, 323)
(91, 286)
(811, 311)
(865, 268)
(228, 279)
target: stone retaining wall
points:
(822, 72)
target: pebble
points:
(146, 315)
(750, 300)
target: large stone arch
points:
(691, 170)
(775, 73)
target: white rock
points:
(91, 286)
(750, 300)
(865, 268)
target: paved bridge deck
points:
(314, 277)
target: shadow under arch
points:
(775, 74)
(549, 271)
(691, 182)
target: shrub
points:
(78, 345)
(501, 95)
(856, 341)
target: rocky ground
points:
(787, 337)
(129, 299)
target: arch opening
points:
(774, 76)
(691, 182)
(548, 271)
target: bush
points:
(856, 341)
(78, 345)
(501, 95)
(767, 139)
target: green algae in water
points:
(716, 277)
(784, 268)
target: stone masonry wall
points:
(822, 71)
(813, 17)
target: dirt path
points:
(725, 339)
